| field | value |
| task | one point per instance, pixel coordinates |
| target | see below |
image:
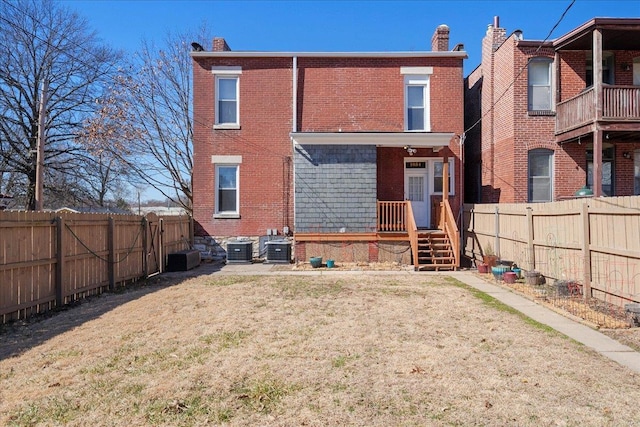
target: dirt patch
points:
(373, 350)
(346, 266)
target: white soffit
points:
(380, 139)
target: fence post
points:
(59, 260)
(530, 248)
(111, 265)
(497, 241)
(192, 239)
(161, 247)
(145, 247)
(586, 252)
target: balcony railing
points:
(577, 111)
(619, 103)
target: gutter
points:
(256, 54)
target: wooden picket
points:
(49, 259)
(595, 242)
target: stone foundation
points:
(386, 252)
(215, 247)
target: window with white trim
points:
(227, 97)
(227, 189)
(416, 99)
(539, 72)
(227, 100)
(437, 177)
(540, 175)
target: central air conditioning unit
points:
(239, 251)
(279, 251)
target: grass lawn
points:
(372, 350)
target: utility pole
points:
(40, 147)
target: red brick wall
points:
(357, 94)
(572, 74)
(367, 94)
(266, 193)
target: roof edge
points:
(257, 54)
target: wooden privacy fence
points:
(595, 242)
(49, 259)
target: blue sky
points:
(344, 26)
(338, 25)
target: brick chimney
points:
(440, 39)
(220, 45)
(498, 35)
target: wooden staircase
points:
(435, 251)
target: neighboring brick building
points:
(534, 114)
(308, 144)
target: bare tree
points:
(154, 106)
(41, 40)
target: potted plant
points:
(489, 257)
(483, 268)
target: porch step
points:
(435, 251)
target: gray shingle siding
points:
(335, 188)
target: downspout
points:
(463, 136)
(294, 101)
(294, 128)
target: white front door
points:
(416, 189)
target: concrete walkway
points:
(601, 343)
(604, 345)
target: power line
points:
(524, 67)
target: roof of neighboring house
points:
(161, 210)
(616, 34)
(93, 209)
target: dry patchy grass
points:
(381, 350)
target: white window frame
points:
(218, 212)
(430, 170)
(421, 81)
(551, 160)
(452, 180)
(530, 85)
(229, 73)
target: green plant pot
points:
(316, 261)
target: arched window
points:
(539, 72)
(540, 175)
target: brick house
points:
(346, 153)
(541, 125)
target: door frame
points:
(429, 172)
(426, 173)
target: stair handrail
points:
(412, 230)
(449, 226)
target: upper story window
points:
(227, 97)
(540, 93)
(607, 68)
(540, 172)
(416, 98)
(636, 71)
